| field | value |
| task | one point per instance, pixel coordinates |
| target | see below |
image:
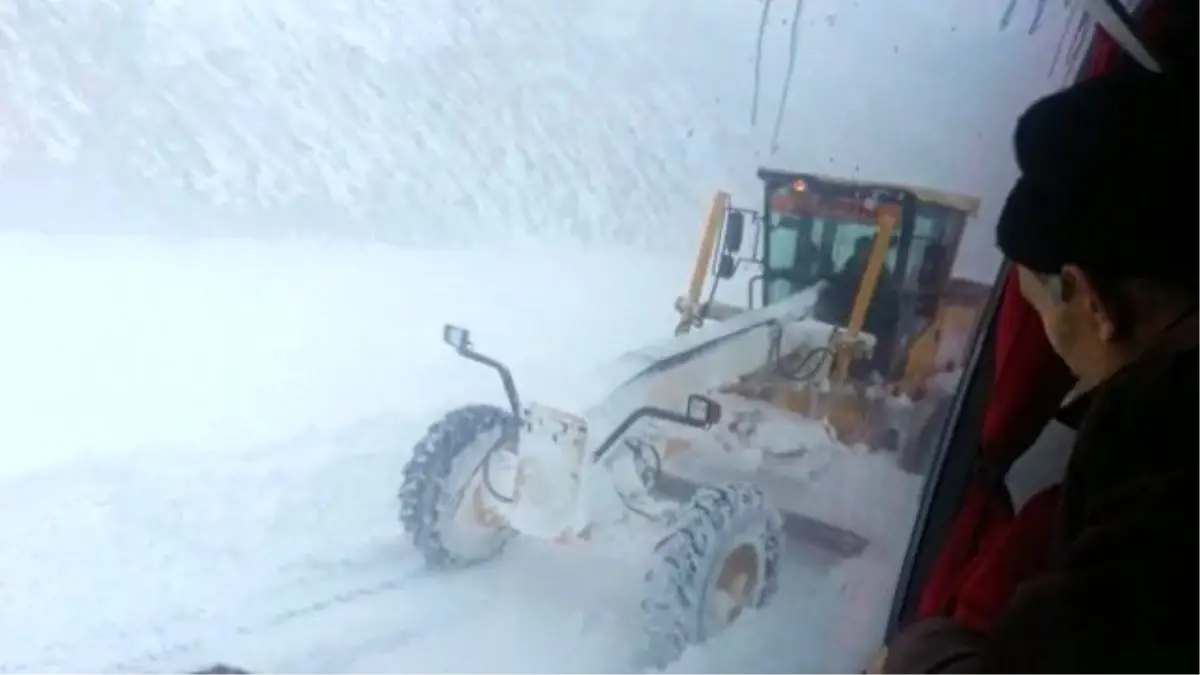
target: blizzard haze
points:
(432, 122)
(232, 231)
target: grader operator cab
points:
(878, 258)
(698, 455)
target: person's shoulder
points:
(1164, 389)
(1141, 425)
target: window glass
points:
(781, 259)
(375, 336)
(784, 241)
(848, 235)
(929, 234)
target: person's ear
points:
(1076, 287)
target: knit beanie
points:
(1109, 182)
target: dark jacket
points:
(1122, 590)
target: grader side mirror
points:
(456, 337)
(735, 230)
(702, 411)
(726, 266)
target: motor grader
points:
(675, 464)
(895, 246)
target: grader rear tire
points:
(440, 497)
(721, 558)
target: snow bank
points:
(118, 344)
(427, 122)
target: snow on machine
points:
(694, 456)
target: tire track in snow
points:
(299, 587)
(294, 584)
(274, 614)
(383, 637)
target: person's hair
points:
(1127, 300)
(1112, 294)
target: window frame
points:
(950, 471)
(951, 468)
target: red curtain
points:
(990, 549)
(1029, 384)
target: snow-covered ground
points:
(201, 437)
(201, 444)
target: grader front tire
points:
(442, 483)
(722, 558)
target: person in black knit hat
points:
(1102, 224)
(1104, 230)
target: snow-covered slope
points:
(436, 121)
